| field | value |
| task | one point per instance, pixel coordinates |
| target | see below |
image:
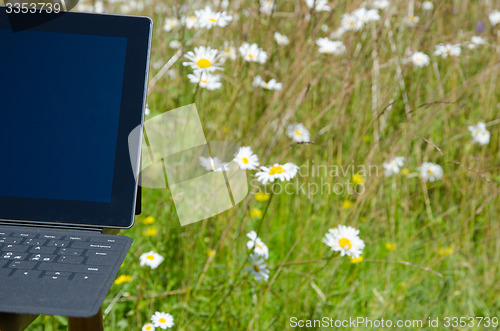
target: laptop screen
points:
(72, 97)
(61, 97)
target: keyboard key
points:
(70, 268)
(35, 242)
(70, 251)
(10, 240)
(48, 236)
(70, 259)
(58, 243)
(15, 248)
(93, 252)
(100, 239)
(55, 278)
(13, 256)
(98, 260)
(23, 235)
(76, 238)
(3, 262)
(90, 245)
(27, 274)
(4, 233)
(89, 277)
(58, 273)
(42, 257)
(22, 265)
(43, 250)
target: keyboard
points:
(41, 262)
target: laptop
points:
(72, 89)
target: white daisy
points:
(318, 5)
(494, 17)
(148, 327)
(258, 245)
(351, 22)
(392, 167)
(337, 34)
(205, 80)
(259, 268)
(366, 15)
(444, 50)
(381, 4)
(476, 41)
(252, 53)
(190, 22)
(298, 132)
(281, 39)
(162, 320)
(246, 159)
(328, 46)
(411, 20)
(266, 7)
(283, 172)
(229, 52)
(213, 164)
(203, 58)
(344, 239)
(207, 18)
(270, 85)
(147, 111)
(420, 59)
(480, 135)
(175, 44)
(427, 5)
(151, 259)
(430, 171)
(170, 24)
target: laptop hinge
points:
(51, 226)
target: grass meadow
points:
(432, 249)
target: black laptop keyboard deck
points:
(40, 259)
(55, 257)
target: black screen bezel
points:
(119, 212)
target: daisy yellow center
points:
(227, 50)
(150, 257)
(259, 246)
(430, 171)
(148, 327)
(411, 18)
(256, 268)
(203, 81)
(298, 133)
(345, 242)
(276, 170)
(352, 23)
(250, 55)
(203, 63)
(245, 160)
(162, 320)
(212, 20)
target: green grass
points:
(358, 115)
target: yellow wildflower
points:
(445, 251)
(261, 196)
(357, 179)
(347, 204)
(123, 279)
(256, 213)
(148, 220)
(150, 232)
(390, 246)
(356, 259)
